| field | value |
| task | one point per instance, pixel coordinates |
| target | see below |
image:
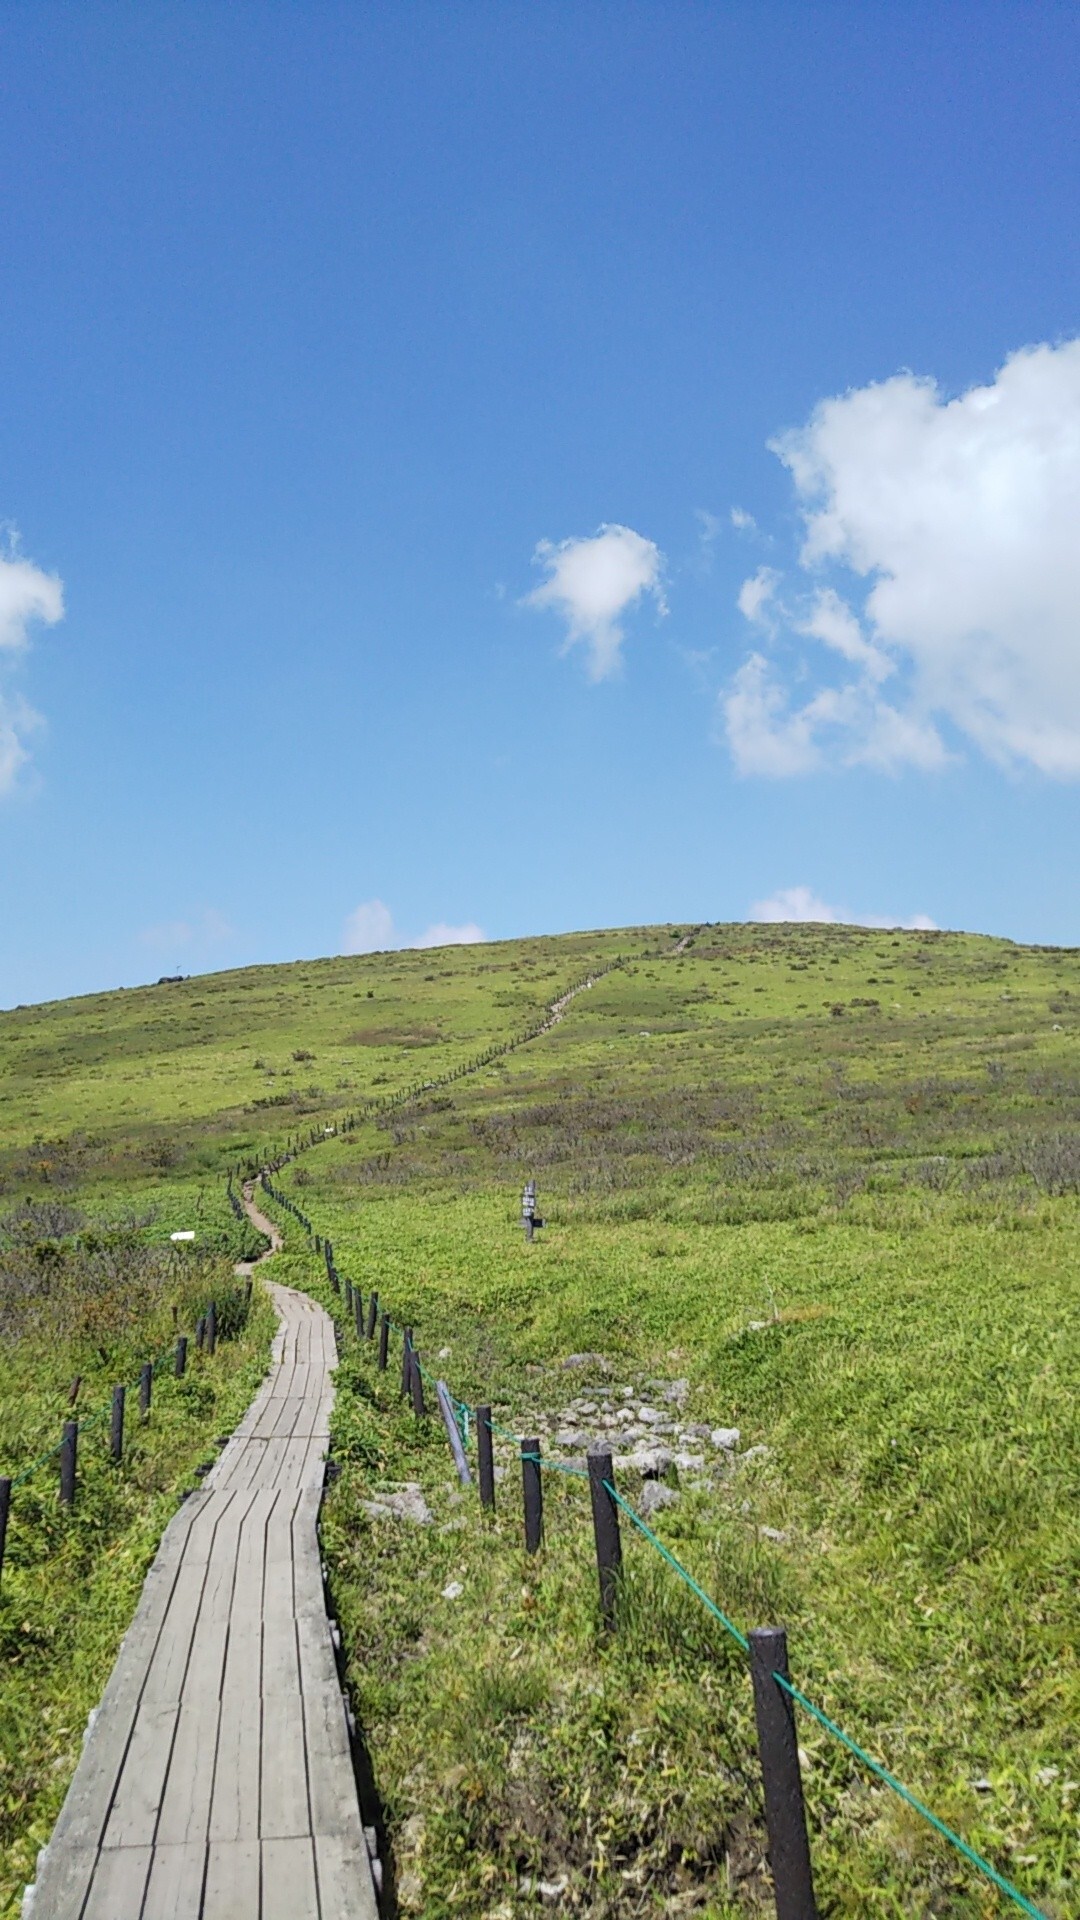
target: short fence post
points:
(785, 1812)
(181, 1357)
(485, 1461)
(406, 1361)
(372, 1312)
(5, 1509)
(146, 1379)
(358, 1312)
(200, 1333)
(348, 1296)
(211, 1327)
(384, 1340)
(533, 1493)
(416, 1385)
(69, 1447)
(247, 1292)
(605, 1514)
(116, 1427)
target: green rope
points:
(969, 1853)
(728, 1625)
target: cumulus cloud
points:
(440, 934)
(802, 904)
(206, 929)
(948, 532)
(592, 583)
(370, 928)
(26, 594)
(742, 521)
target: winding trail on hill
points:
(216, 1782)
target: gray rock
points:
(726, 1438)
(585, 1360)
(696, 1433)
(650, 1462)
(408, 1504)
(649, 1415)
(690, 1462)
(773, 1533)
(576, 1440)
(677, 1391)
(654, 1495)
(753, 1453)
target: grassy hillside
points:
(827, 1177)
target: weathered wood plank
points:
(288, 1879)
(283, 1796)
(118, 1885)
(232, 1882)
(175, 1890)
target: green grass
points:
(829, 1177)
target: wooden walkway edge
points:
(216, 1782)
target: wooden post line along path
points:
(217, 1782)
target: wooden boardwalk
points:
(216, 1782)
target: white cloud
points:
(592, 583)
(370, 928)
(953, 530)
(26, 594)
(206, 929)
(439, 934)
(742, 521)
(802, 905)
(755, 595)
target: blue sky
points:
(334, 339)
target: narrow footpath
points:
(216, 1782)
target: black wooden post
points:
(358, 1312)
(348, 1296)
(485, 1462)
(247, 1291)
(533, 1492)
(5, 1509)
(200, 1332)
(69, 1447)
(605, 1515)
(116, 1425)
(146, 1381)
(384, 1339)
(406, 1361)
(372, 1312)
(181, 1357)
(785, 1813)
(211, 1327)
(416, 1384)
(318, 1243)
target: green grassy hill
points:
(826, 1177)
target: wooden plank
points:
(346, 1888)
(283, 1796)
(176, 1883)
(288, 1880)
(133, 1817)
(185, 1804)
(232, 1881)
(118, 1885)
(234, 1809)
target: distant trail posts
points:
(358, 1312)
(211, 1327)
(69, 1448)
(416, 1384)
(5, 1509)
(384, 1341)
(146, 1379)
(485, 1459)
(180, 1367)
(116, 1424)
(533, 1495)
(372, 1312)
(530, 1219)
(406, 1362)
(785, 1814)
(605, 1515)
